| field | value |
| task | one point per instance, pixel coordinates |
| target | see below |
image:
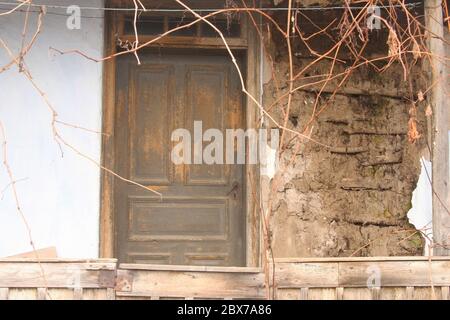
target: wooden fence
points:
(397, 278)
(325, 278)
(25, 279)
(188, 282)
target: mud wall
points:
(351, 198)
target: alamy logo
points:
(216, 147)
(373, 19)
(74, 20)
(374, 279)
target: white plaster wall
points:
(60, 196)
(421, 213)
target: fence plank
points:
(445, 293)
(146, 283)
(409, 293)
(304, 294)
(287, 294)
(86, 274)
(110, 294)
(4, 293)
(360, 259)
(339, 293)
(299, 275)
(353, 293)
(322, 294)
(321, 279)
(375, 293)
(41, 293)
(22, 294)
(392, 293)
(396, 273)
(78, 294)
(156, 267)
(60, 294)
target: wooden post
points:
(440, 148)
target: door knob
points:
(234, 189)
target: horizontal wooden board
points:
(396, 273)
(88, 274)
(193, 284)
(156, 267)
(300, 275)
(109, 263)
(392, 273)
(361, 259)
(182, 42)
(311, 278)
(386, 293)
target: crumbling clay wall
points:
(351, 198)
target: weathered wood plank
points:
(95, 294)
(304, 294)
(60, 294)
(375, 293)
(109, 263)
(195, 284)
(41, 293)
(445, 293)
(409, 293)
(110, 294)
(426, 293)
(4, 293)
(298, 275)
(392, 293)
(164, 295)
(78, 294)
(22, 294)
(322, 294)
(355, 274)
(361, 259)
(91, 274)
(156, 267)
(340, 279)
(339, 293)
(287, 294)
(396, 273)
(357, 294)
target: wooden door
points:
(201, 218)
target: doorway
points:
(200, 220)
(209, 214)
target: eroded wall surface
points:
(352, 198)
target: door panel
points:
(149, 124)
(206, 87)
(201, 218)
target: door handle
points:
(234, 189)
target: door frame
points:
(252, 178)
